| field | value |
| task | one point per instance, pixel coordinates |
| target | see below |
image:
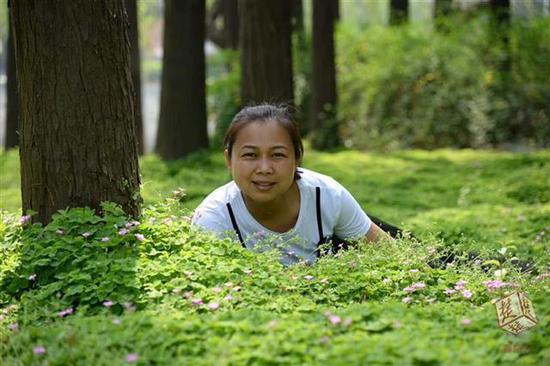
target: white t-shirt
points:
(341, 215)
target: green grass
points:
(494, 203)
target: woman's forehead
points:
(263, 134)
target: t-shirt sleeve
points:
(352, 222)
(211, 220)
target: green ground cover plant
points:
(90, 290)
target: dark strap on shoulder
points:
(318, 207)
(234, 222)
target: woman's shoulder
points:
(310, 178)
(212, 211)
(221, 196)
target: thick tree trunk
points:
(266, 52)
(182, 123)
(325, 126)
(12, 109)
(133, 34)
(399, 11)
(78, 145)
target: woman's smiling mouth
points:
(263, 186)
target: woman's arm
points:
(375, 234)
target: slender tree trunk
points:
(324, 121)
(78, 145)
(182, 123)
(399, 11)
(266, 52)
(133, 34)
(12, 109)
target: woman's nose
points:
(264, 166)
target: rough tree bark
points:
(324, 98)
(12, 109)
(266, 52)
(223, 24)
(133, 34)
(78, 145)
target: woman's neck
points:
(279, 213)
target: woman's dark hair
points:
(265, 113)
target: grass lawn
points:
(86, 290)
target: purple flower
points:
(39, 350)
(105, 239)
(32, 277)
(334, 319)
(123, 232)
(14, 327)
(132, 357)
(188, 294)
(466, 321)
(347, 322)
(197, 302)
(449, 291)
(108, 303)
(213, 306)
(494, 285)
(1, 318)
(24, 220)
(467, 294)
(460, 285)
(228, 298)
(217, 290)
(140, 237)
(414, 287)
(406, 299)
(129, 306)
(132, 224)
(65, 312)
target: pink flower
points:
(460, 285)
(14, 327)
(228, 284)
(347, 322)
(129, 306)
(542, 276)
(116, 321)
(86, 235)
(272, 323)
(176, 291)
(65, 312)
(123, 232)
(449, 291)
(466, 321)
(24, 220)
(386, 280)
(406, 299)
(309, 277)
(237, 288)
(217, 290)
(132, 357)
(140, 237)
(247, 272)
(39, 350)
(1, 318)
(108, 303)
(197, 302)
(188, 294)
(334, 319)
(132, 224)
(213, 306)
(32, 277)
(188, 273)
(105, 239)
(494, 285)
(324, 281)
(414, 287)
(467, 294)
(59, 232)
(413, 271)
(228, 298)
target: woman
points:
(271, 201)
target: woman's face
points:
(262, 161)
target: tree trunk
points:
(324, 122)
(182, 123)
(12, 109)
(266, 53)
(133, 34)
(399, 11)
(78, 145)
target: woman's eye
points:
(249, 155)
(279, 155)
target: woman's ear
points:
(227, 159)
